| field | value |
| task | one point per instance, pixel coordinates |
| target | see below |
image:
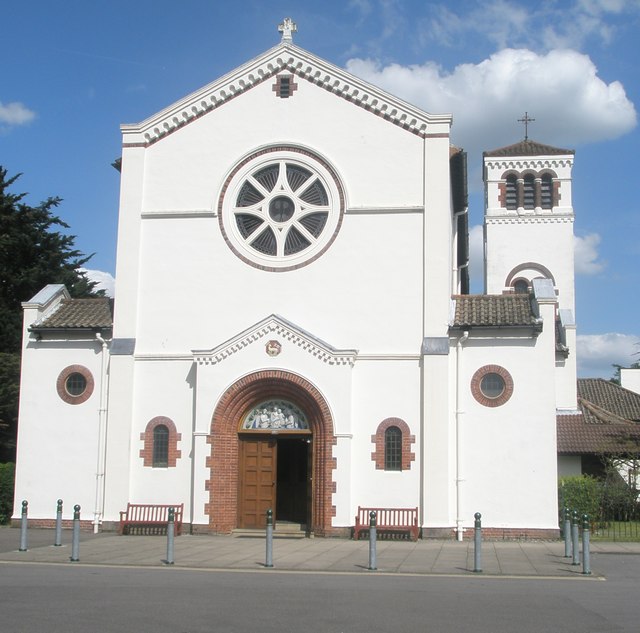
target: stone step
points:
(283, 529)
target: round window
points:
(492, 385)
(281, 208)
(75, 384)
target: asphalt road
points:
(86, 599)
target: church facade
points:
(292, 326)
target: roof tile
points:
(79, 313)
(493, 311)
(528, 147)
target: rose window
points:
(281, 211)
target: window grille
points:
(546, 192)
(76, 384)
(160, 446)
(511, 193)
(393, 448)
(529, 192)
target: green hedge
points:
(7, 474)
(582, 493)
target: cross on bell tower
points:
(287, 28)
(526, 119)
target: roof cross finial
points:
(526, 119)
(287, 28)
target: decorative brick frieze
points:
(302, 65)
(276, 326)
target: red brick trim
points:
(61, 384)
(146, 453)
(277, 87)
(495, 534)
(537, 175)
(246, 393)
(407, 440)
(477, 379)
(543, 270)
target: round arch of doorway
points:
(222, 486)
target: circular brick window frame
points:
(61, 384)
(476, 382)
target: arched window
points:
(511, 192)
(546, 191)
(521, 286)
(529, 192)
(393, 442)
(160, 439)
(393, 448)
(160, 446)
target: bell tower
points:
(528, 234)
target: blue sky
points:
(75, 70)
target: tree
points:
(33, 253)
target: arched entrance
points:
(233, 448)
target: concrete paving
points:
(536, 559)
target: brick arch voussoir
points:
(223, 461)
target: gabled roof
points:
(527, 147)
(275, 325)
(94, 313)
(607, 422)
(610, 397)
(290, 58)
(493, 311)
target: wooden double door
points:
(275, 473)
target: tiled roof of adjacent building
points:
(493, 311)
(79, 314)
(609, 422)
(528, 147)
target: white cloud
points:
(586, 255)
(15, 113)
(106, 281)
(540, 26)
(560, 89)
(597, 353)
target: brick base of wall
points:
(495, 534)
(50, 524)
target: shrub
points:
(582, 493)
(7, 474)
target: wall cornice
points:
(286, 57)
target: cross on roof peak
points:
(526, 119)
(287, 28)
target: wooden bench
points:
(149, 518)
(390, 520)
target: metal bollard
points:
(58, 541)
(567, 533)
(575, 538)
(170, 536)
(477, 543)
(23, 527)
(373, 540)
(75, 539)
(269, 554)
(586, 555)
